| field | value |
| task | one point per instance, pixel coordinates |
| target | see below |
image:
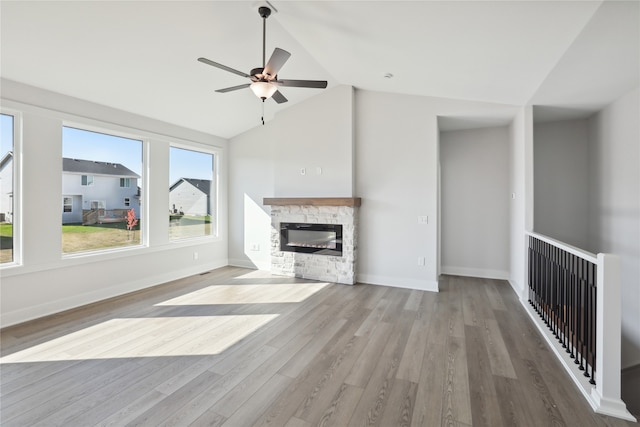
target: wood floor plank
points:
(399, 408)
(499, 357)
(313, 389)
(241, 347)
(297, 422)
(456, 406)
(378, 387)
(259, 402)
(429, 395)
(485, 407)
(340, 410)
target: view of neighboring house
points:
(6, 188)
(189, 196)
(91, 185)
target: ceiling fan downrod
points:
(264, 12)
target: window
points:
(67, 204)
(96, 213)
(192, 193)
(98, 204)
(87, 180)
(7, 176)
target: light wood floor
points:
(237, 347)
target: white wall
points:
(521, 218)
(475, 202)
(397, 177)
(316, 134)
(614, 141)
(561, 181)
(46, 282)
(391, 152)
(266, 162)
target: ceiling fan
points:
(264, 80)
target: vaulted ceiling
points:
(140, 56)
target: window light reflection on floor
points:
(248, 294)
(146, 337)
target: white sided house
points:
(101, 191)
(190, 196)
(6, 188)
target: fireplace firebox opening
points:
(319, 239)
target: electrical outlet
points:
(421, 261)
(195, 256)
(423, 219)
(255, 246)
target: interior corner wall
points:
(393, 162)
(561, 181)
(614, 220)
(397, 177)
(475, 202)
(316, 136)
(521, 208)
(46, 282)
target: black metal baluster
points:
(587, 313)
(580, 331)
(565, 286)
(572, 311)
(594, 313)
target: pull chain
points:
(262, 118)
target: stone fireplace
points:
(314, 238)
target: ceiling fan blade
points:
(223, 67)
(277, 60)
(279, 97)
(317, 84)
(232, 88)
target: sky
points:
(85, 145)
(6, 134)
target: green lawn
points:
(79, 238)
(6, 242)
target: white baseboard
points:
(483, 273)
(521, 292)
(245, 263)
(612, 407)
(395, 282)
(41, 310)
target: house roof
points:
(203, 185)
(5, 159)
(92, 167)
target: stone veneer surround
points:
(312, 266)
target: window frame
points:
(216, 153)
(126, 181)
(85, 181)
(96, 126)
(17, 256)
(64, 205)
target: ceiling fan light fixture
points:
(263, 90)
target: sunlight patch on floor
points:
(248, 294)
(146, 337)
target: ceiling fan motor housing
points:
(264, 11)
